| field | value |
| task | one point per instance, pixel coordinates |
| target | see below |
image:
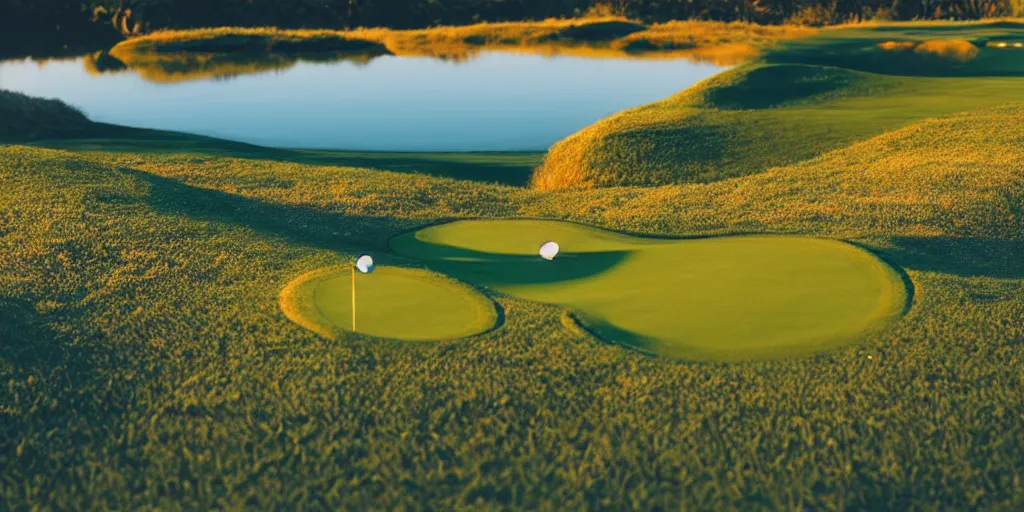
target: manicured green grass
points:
(726, 298)
(805, 98)
(398, 303)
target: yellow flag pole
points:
(353, 298)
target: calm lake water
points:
(495, 101)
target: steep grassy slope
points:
(146, 362)
(805, 98)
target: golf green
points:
(727, 298)
(399, 303)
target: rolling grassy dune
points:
(802, 99)
(146, 361)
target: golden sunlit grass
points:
(956, 49)
(898, 45)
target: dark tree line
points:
(136, 16)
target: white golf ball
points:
(549, 250)
(365, 264)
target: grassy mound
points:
(141, 333)
(393, 302)
(809, 97)
(723, 299)
(228, 40)
(23, 117)
(596, 31)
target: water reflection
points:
(185, 66)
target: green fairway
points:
(392, 302)
(803, 99)
(728, 298)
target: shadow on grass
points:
(26, 340)
(605, 331)
(497, 269)
(507, 168)
(297, 224)
(964, 257)
(313, 227)
(502, 270)
(66, 381)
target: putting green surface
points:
(398, 303)
(727, 298)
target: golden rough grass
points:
(956, 49)
(897, 45)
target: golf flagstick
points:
(365, 265)
(353, 298)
